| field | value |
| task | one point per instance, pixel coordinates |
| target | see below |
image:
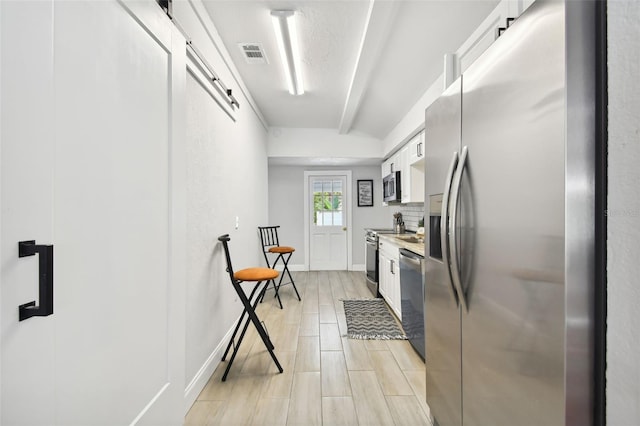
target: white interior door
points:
(86, 131)
(26, 155)
(328, 222)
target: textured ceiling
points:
(405, 62)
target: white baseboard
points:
(298, 267)
(359, 267)
(302, 267)
(203, 375)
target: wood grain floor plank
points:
(271, 412)
(339, 411)
(335, 378)
(285, 338)
(257, 361)
(356, 354)
(342, 323)
(247, 391)
(330, 339)
(279, 384)
(310, 324)
(253, 395)
(324, 289)
(406, 357)
(418, 381)
(376, 345)
(216, 389)
(406, 411)
(308, 354)
(305, 406)
(204, 413)
(370, 403)
(391, 379)
(292, 313)
(327, 314)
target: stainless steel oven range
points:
(371, 257)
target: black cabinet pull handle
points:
(45, 272)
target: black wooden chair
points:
(257, 276)
(271, 246)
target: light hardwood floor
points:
(328, 379)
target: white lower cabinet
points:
(389, 276)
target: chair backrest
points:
(224, 239)
(268, 238)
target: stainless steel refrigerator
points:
(509, 194)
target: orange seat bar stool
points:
(258, 276)
(271, 245)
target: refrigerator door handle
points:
(453, 228)
(444, 219)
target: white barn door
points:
(86, 148)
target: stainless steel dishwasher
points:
(412, 300)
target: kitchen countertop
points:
(406, 240)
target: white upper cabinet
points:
(409, 161)
(391, 165)
(386, 168)
(413, 170)
(484, 36)
(405, 174)
(416, 149)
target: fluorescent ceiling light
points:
(287, 38)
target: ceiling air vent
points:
(253, 53)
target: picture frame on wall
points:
(365, 193)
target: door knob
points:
(344, 228)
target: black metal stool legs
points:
(286, 268)
(244, 312)
(276, 287)
(249, 309)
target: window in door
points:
(328, 202)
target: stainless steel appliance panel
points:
(372, 258)
(392, 190)
(517, 227)
(371, 262)
(412, 298)
(512, 218)
(580, 255)
(442, 314)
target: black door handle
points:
(45, 272)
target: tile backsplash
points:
(411, 214)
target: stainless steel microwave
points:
(391, 187)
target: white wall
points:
(226, 178)
(286, 207)
(286, 142)
(413, 122)
(471, 49)
(623, 246)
